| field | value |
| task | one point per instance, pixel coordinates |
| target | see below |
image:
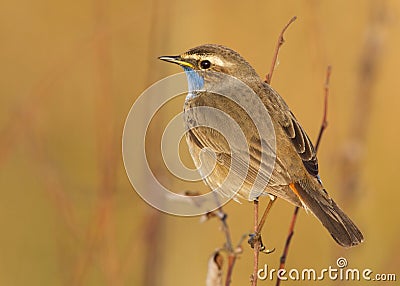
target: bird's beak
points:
(176, 60)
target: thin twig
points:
(233, 255)
(228, 247)
(257, 225)
(231, 264)
(288, 240)
(281, 40)
(256, 245)
(324, 124)
(225, 228)
(255, 239)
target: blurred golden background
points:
(71, 70)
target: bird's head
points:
(202, 65)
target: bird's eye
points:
(205, 64)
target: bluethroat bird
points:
(294, 172)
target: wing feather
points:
(298, 137)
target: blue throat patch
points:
(195, 82)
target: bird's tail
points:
(339, 225)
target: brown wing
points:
(247, 161)
(257, 167)
(294, 131)
(206, 137)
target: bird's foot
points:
(256, 238)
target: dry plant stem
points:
(281, 40)
(257, 226)
(232, 255)
(228, 247)
(257, 232)
(324, 124)
(256, 245)
(288, 240)
(231, 263)
(225, 228)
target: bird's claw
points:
(256, 237)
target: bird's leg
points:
(256, 236)
(272, 199)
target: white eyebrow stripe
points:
(216, 61)
(213, 59)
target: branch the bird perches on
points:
(233, 252)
